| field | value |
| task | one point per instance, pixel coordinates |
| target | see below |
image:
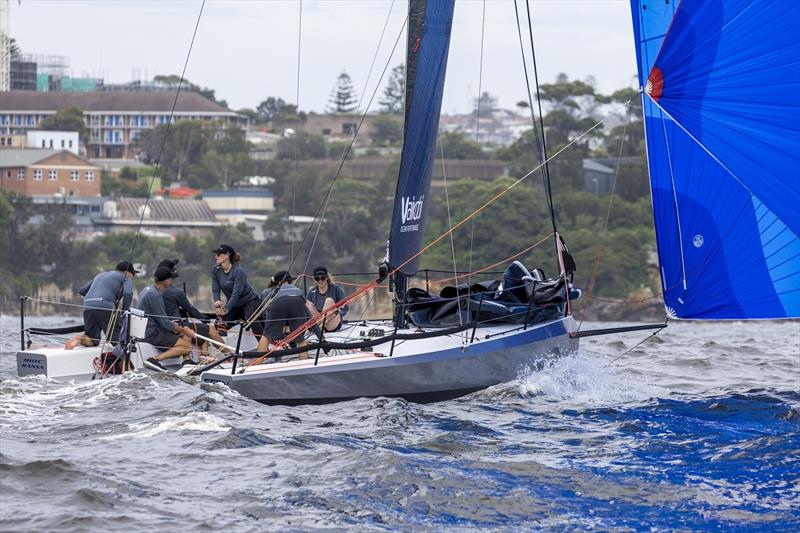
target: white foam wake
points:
(200, 421)
(586, 378)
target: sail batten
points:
(430, 24)
(722, 127)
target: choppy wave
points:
(697, 430)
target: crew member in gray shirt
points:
(100, 297)
(286, 312)
(325, 294)
(230, 279)
(178, 307)
(170, 338)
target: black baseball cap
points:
(163, 273)
(171, 264)
(126, 266)
(280, 277)
(319, 271)
(225, 249)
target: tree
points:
(173, 80)
(301, 145)
(387, 130)
(68, 119)
(343, 96)
(277, 112)
(455, 145)
(394, 92)
(185, 144)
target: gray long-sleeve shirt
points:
(233, 284)
(151, 302)
(318, 298)
(175, 300)
(105, 288)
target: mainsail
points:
(722, 121)
(429, 25)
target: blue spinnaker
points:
(429, 25)
(722, 121)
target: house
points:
(116, 119)
(42, 171)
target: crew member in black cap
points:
(325, 294)
(170, 338)
(230, 279)
(286, 312)
(100, 297)
(179, 308)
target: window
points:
(51, 143)
(44, 143)
(21, 175)
(18, 120)
(74, 175)
(62, 143)
(70, 143)
(29, 120)
(135, 134)
(37, 175)
(52, 175)
(348, 128)
(326, 131)
(90, 175)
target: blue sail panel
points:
(723, 140)
(430, 24)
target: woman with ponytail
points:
(230, 279)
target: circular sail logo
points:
(698, 241)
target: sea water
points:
(698, 428)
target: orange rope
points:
(366, 288)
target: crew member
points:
(323, 295)
(230, 279)
(169, 337)
(286, 312)
(178, 306)
(101, 295)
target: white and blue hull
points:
(419, 370)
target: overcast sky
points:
(247, 49)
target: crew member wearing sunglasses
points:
(323, 295)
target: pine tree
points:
(394, 92)
(343, 96)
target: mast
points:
(429, 26)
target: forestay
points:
(722, 123)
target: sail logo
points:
(411, 209)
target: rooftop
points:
(121, 101)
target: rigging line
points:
(363, 290)
(674, 199)
(297, 110)
(477, 131)
(452, 240)
(166, 133)
(537, 141)
(323, 205)
(626, 352)
(700, 144)
(347, 149)
(601, 246)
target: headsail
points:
(429, 26)
(722, 120)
